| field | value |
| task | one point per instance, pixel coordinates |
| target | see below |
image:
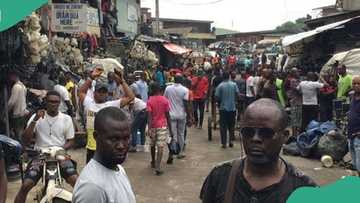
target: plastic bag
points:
(327, 127)
(307, 144)
(174, 147)
(291, 149)
(312, 125)
(333, 144)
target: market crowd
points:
(121, 113)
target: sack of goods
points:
(333, 144)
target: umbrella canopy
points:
(176, 49)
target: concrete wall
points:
(128, 13)
(351, 5)
(197, 27)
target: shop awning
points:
(289, 40)
(350, 58)
(176, 49)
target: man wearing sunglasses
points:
(262, 176)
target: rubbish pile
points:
(319, 140)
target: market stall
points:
(314, 48)
(349, 58)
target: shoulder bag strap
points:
(229, 193)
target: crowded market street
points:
(179, 101)
(182, 182)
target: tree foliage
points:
(293, 27)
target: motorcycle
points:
(13, 151)
(52, 189)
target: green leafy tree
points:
(293, 27)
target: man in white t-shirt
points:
(310, 108)
(250, 88)
(207, 65)
(143, 87)
(138, 110)
(104, 180)
(256, 82)
(50, 128)
(17, 105)
(65, 102)
(178, 96)
(95, 101)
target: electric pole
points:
(157, 17)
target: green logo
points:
(342, 191)
(13, 11)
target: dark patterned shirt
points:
(214, 187)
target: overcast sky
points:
(240, 15)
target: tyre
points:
(209, 128)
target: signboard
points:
(93, 21)
(68, 18)
(74, 18)
(132, 13)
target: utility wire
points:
(197, 4)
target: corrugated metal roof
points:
(289, 40)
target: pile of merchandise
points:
(141, 52)
(36, 44)
(66, 51)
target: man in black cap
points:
(95, 101)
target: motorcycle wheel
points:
(58, 200)
(209, 128)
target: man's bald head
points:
(356, 84)
(106, 114)
(270, 108)
(356, 77)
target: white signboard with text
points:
(73, 18)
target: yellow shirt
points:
(91, 108)
(69, 85)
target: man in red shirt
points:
(158, 108)
(231, 61)
(200, 86)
